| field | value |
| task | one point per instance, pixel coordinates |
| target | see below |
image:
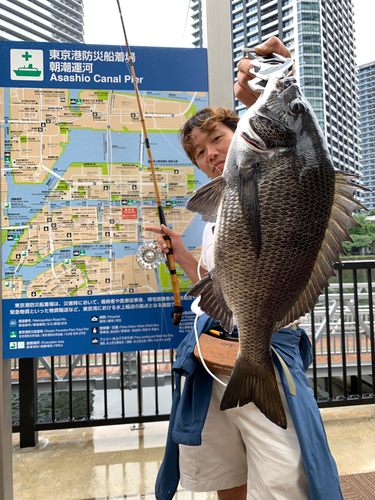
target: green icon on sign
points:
(24, 253)
(7, 205)
(16, 237)
(67, 261)
(13, 334)
(130, 202)
(82, 252)
(7, 284)
(6, 160)
(13, 345)
(27, 70)
(174, 203)
(79, 101)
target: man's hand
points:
(181, 255)
(241, 89)
(178, 247)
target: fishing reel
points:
(149, 256)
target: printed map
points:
(77, 191)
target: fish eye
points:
(297, 107)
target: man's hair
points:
(206, 119)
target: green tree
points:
(363, 236)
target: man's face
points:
(211, 148)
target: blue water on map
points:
(92, 146)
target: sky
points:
(155, 23)
(364, 15)
(165, 23)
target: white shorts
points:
(241, 445)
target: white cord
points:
(196, 331)
(200, 262)
(200, 354)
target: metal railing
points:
(341, 330)
(114, 388)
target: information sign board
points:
(77, 192)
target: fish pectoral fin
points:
(246, 387)
(207, 199)
(247, 185)
(212, 302)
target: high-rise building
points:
(366, 101)
(41, 20)
(320, 36)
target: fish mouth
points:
(284, 83)
(257, 145)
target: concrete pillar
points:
(217, 37)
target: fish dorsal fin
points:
(248, 194)
(340, 221)
(206, 200)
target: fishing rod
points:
(177, 311)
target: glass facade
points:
(339, 83)
(320, 36)
(310, 55)
(41, 20)
(366, 101)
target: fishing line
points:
(161, 131)
(154, 119)
(186, 19)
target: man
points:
(239, 452)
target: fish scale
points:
(281, 214)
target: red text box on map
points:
(129, 213)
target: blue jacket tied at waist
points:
(189, 412)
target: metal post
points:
(217, 37)
(28, 402)
(139, 383)
(6, 470)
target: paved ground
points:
(113, 463)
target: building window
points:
(308, 16)
(252, 39)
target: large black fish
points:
(282, 212)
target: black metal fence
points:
(117, 388)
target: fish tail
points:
(245, 386)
